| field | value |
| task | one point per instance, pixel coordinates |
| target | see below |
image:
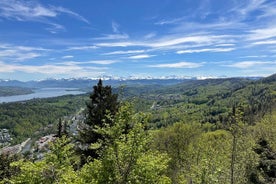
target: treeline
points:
(208, 101)
(12, 90)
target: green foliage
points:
(6, 170)
(207, 157)
(265, 171)
(177, 142)
(23, 119)
(102, 103)
(56, 167)
(128, 157)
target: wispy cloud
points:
(170, 21)
(35, 12)
(265, 33)
(225, 45)
(88, 47)
(180, 40)
(169, 41)
(265, 42)
(99, 62)
(69, 12)
(182, 64)
(255, 56)
(205, 50)
(122, 52)
(115, 27)
(104, 62)
(150, 35)
(112, 37)
(249, 64)
(142, 56)
(20, 53)
(50, 69)
(67, 57)
(246, 7)
(118, 44)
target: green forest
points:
(196, 132)
(13, 90)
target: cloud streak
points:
(182, 64)
(142, 56)
(20, 53)
(50, 69)
(265, 33)
(250, 64)
(123, 52)
(205, 50)
(35, 12)
(169, 41)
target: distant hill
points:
(269, 79)
(87, 83)
(84, 83)
(14, 90)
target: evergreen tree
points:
(266, 169)
(101, 108)
(59, 133)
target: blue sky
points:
(141, 38)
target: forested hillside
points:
(12, 90)
(34, 117)
(199, 131)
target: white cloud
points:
(180, 40)
(249, 6)
(265, 42)
(170, 21)
(104, 62)
(169, 41)
(249, 64)
(83, 47)
(197, 27)
(205, 50)
(117, 44)
(115, 27)
(35, 12)
(142, 56)
(124, 52)
(20, 53)
(112, 37)
(67, 57)
(69, 12)
(183, 64)
(255, 56)
(150, 35)
(100, 62)
(26, 56)
(23, 11)
(55, 28)
(225, 45)
(50, 69)
(259, 34)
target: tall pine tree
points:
(102, 103)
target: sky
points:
(42, 39)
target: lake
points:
(42, 93)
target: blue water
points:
(42, 93)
